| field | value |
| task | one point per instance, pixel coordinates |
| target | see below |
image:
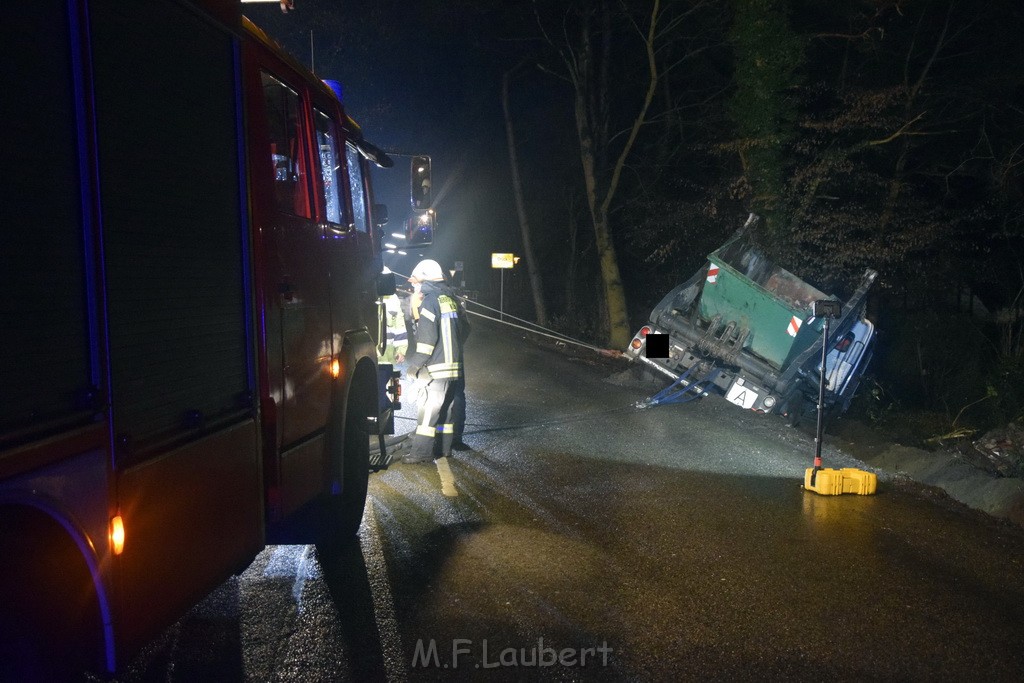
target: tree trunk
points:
(619, 332)
(611, 279)
(591, 103)
(524, 224)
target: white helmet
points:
(427, 269)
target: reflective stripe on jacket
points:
(438, 342)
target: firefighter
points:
(459, 402)
(435, 362)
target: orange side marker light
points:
(117, 534)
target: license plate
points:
(741, 395)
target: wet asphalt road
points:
(583, 539)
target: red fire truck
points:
(189, 269)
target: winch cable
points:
(578, 417)
(533, 328)
(691, 389)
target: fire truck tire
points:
(49, 622)
(346, 511)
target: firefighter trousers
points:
(458, 414)
(434, 427)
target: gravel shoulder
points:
(946, 472)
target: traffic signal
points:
(420, 183)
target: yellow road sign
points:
(503, 260)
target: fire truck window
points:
(330, 166)
(355, 180)
(283, 112)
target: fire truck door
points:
(297, 267)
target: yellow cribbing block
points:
(831, 482)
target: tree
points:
(533, 267)
(900, 150)
(767, 56)
(586, 59)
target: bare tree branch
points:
(898, 133)
(863, 35)
(640, 118)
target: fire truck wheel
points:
(347, 508)
(49, 622)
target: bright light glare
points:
(400, 252)
(388, 245)
(335, 368)
(117, 534)
(398, 235)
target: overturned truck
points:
(744, 326)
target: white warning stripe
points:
(794, 326)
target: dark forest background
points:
(884, 134)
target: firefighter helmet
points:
(427, 269)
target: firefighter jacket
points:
(439, 334)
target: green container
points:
(770, 302)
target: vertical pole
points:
(501, 301)
(821, 397)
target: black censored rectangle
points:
(657, 346)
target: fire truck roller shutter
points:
(174, 234)
(45, 367)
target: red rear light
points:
(644, 331)
(845, 342)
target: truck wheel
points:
(356, 468)
(345, 509)
(49, 623)
(795, 410)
